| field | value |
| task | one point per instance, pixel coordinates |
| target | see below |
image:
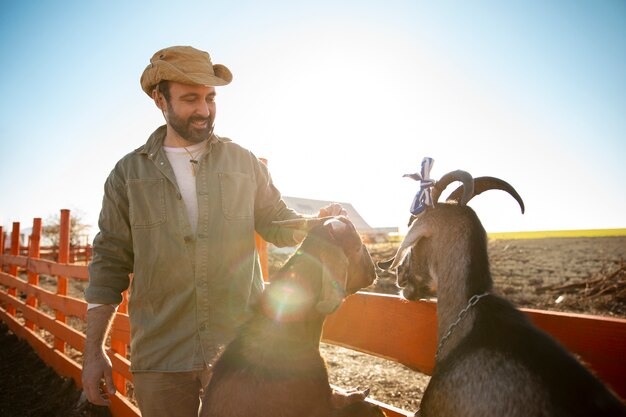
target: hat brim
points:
(154, 74)
(222, 77)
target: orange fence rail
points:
(78, 253)
(381, 325)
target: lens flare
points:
(287, 299)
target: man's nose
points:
(203, 109)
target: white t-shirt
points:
(184, 170)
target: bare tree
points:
(78, 229)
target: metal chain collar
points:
(472, 302)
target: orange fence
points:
(380, 325)
(76, 254)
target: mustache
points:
(193, 119)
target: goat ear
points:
(411, 219)
(334, 281)
(344, 234)
(417, 231)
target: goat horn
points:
(450, 177)
(482, 184)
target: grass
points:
(558, 233)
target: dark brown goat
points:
(491, 360)
(273, 368)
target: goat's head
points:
(445, 238)
(331, 262)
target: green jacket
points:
(189, 292)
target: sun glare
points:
(286, 299)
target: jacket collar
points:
(155, 142)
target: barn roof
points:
(310, 206)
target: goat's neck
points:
(293, 334)
(290, 346)
(303, 333)
(453, 294)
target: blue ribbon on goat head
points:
(423, 197)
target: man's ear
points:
(158, 99)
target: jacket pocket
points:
(146, 199)
(238, 192)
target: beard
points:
(185, 128)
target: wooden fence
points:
(77, 254)
(380, 325)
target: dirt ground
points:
(584, 275)
(28, 388)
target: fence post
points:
(1, 244)
(119, 347)
(15, 251)
(261, 246)
(64, 254)
(34, 251)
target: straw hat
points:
(186, 65)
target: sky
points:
(341, 97)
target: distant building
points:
(309, 206)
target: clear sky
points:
(342, 98)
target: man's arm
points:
(96, 364)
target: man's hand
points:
(97, 375)
(333, 209)
(98, 378)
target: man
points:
(179, 213)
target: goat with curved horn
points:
(491, 360)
